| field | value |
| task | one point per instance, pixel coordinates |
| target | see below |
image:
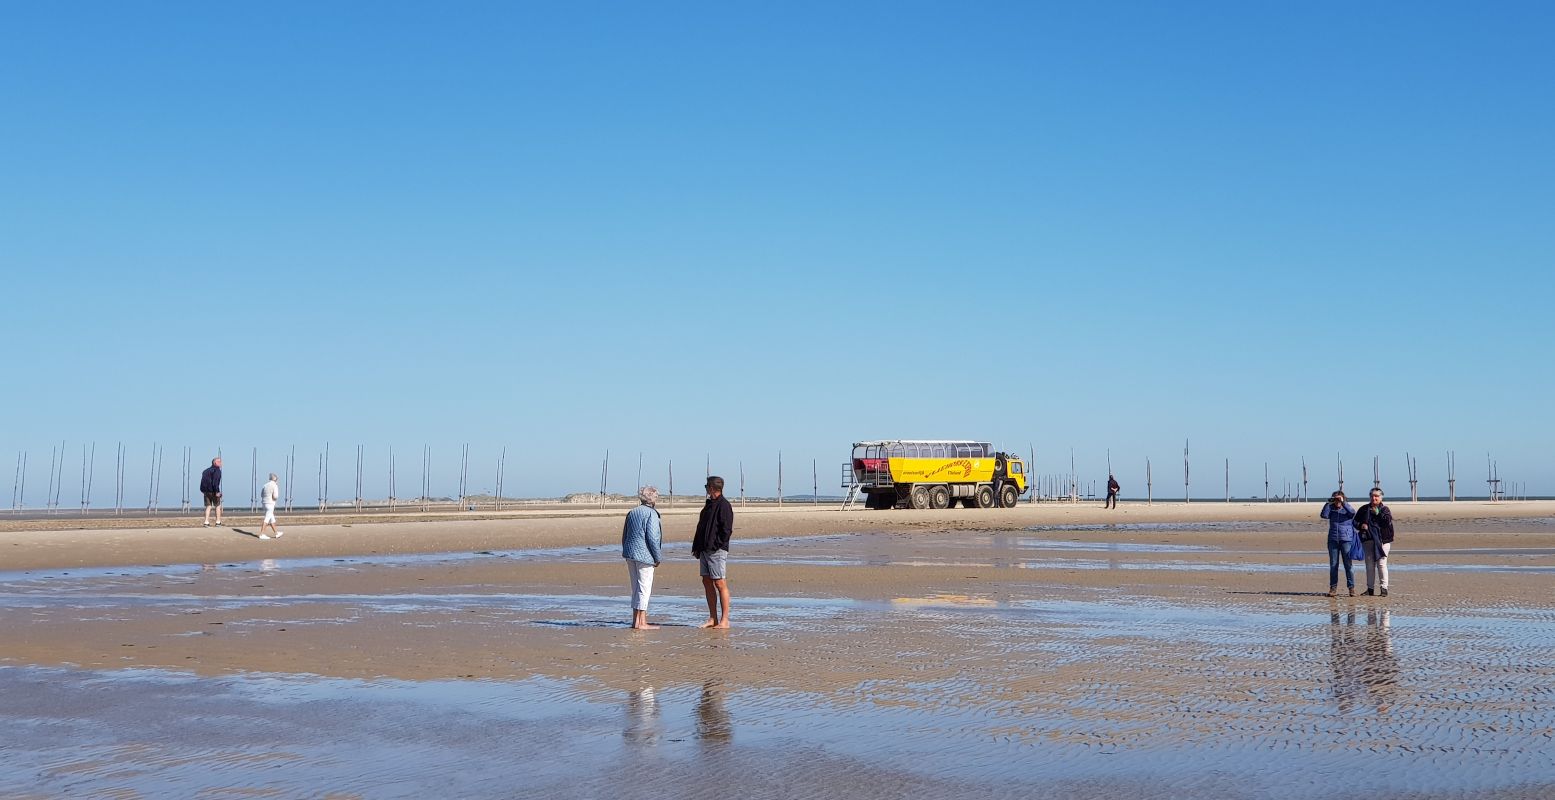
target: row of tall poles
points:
(707, 464)
(1054, 486)
(1067, 486)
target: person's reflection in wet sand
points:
(1381, 663)
(642, 717)
(1365, 668)
(713, 725)
(1347, 659)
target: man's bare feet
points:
(724, 625)
(645, 627)
(711, 623)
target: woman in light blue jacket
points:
(1341, 532)
(641, 540)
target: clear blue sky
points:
(732, 228)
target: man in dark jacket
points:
(711, 547)
(1112, 492)
(210, 487)
(1374, 521)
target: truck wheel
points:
(919, 497)
(985, 496)
(1009, 496)
(939, 497)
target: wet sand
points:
(1180, 651)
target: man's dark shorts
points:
(212, 499)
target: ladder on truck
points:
(850, 482)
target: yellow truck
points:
(902, 473)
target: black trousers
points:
(1112, 500)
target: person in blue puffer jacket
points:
(1341, 532)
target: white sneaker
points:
(264, 536)
(279, 534)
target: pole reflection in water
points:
(713, 724)
(1365, 670)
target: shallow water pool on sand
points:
(988, 698)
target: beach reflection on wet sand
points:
(1005, 688)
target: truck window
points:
(940, 451)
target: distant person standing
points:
(1112, 492)
(210, 488)
(1375, 522)
(711, 547)
(269, 495)
(642, 538)
(1341, 533)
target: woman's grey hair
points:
(648, 494)
(274, 477)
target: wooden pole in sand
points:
(118, 479)
(426, 479)
(59, 480)
(1376, 473)
(1228, 478)
(1341, 472)
(1266, 481)
(156, 495)
(815, 484)
(672, 483)
(253, 478)
(321, 482)
(391, 479)
(1452, 477)
(1414, 477)
(1149, 484)
(1187, 496)
(324, 495)
(502, 462)
(291, 476)
(359, 460)
(639, 470)
(48, 494)
(780, 479)
(1074, 479)
(151, 480)
(1304, 494)
(464, 477)
(188, 468)
(16, 483)
(604, 476)
(86, 480)
(1031, 469)
(742, 483)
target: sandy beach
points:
(1044, 651)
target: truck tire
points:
(919, 497)
(939, 497)
(1008, 496)
(984, 496)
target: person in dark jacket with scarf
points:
(1375, 523)
(1341, 532)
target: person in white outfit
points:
(269, 495)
